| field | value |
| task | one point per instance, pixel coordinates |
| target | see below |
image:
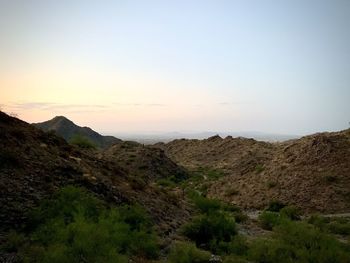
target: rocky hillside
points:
(34, 164)
(231, 155)
(312, 172)
(67, 129)
(143, 162)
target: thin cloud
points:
(141, 104)
(226, 103)
(49, 106)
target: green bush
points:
(319, 221)
(206, 205)
(82, 142)
(209, 230)
(239, 216)
(74, 226)
(268, 220)
(14, 242)
(339, 226)
(259, 168)
(166, 182)
(291, 212)
(275, 206)
(237, 246)
(184, 252)
(234, 259)
(299, 242)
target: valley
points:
(210, 200)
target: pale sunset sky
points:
(273, 66)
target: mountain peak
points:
(68, 129)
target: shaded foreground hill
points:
(144, 162)
(68, 130)
(312, 172)
(34, 164)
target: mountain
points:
(312, 172)
(143, 161)
(152, 138)
(35, 164)
(68, 129)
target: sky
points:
(272, 66)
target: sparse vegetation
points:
(275, 206)
(291, 212)
(185, 252)
(331, 178)
(268, 219)
(298, 242)
(82, 142)
(259, 168)
(209, 230)
(271, 184)
(137, 183)
(336, 225)
(231, 192)
(166, 182)
(74, 226)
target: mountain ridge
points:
(312, 172)
(67, 129)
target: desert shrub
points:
(203, 174)
(234, 259)
(14, 241)
(318, 221)
(268, 219)
(259, 168)
(82, 142)
(74, 226)
(330, 178)
(184, 252)
(275, 206)
(137, 183)
(271, 184)
(230, 207)
(299, 242)
(166, 182)
(231, 192)
(64, 204)
(340, 226)
(206, 205)
(209, 229)
(237, 246)
(291, 212)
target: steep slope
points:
(67, 129)
(312, 172)
(144, 162)
(33, 164)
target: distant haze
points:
(151, 138)
(278, 67)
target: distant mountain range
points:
(68, 129)
(151, 138)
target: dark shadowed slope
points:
(67, 129)
(146, 162)
(34, 164)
